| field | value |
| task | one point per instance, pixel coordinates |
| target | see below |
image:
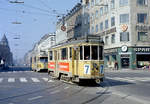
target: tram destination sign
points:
(142, 49)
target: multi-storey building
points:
(73, 24)
(124, 26)
(46, 42)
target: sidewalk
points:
(125, 70)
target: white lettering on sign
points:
(143, 49)
(62, 66)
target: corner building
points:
(124, 26)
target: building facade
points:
(73, 25)
(124, 26)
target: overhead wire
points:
(44, 4)
(24, 12)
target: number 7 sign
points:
(87, 69)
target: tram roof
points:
(84, 39)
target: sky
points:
(37, 18)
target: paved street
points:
(22, 86)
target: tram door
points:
(75, 60)
(56, 62)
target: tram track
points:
(105, 90)
(33, 92)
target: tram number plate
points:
(87, 69)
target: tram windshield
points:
(92, 52)
(86, 52)
(43, 59)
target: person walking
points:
(116, 65)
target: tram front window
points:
(43, 59)
(94, 53)
(100, 52)
(51, 55)
(86, 52)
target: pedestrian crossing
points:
(11, 72)
(25, 80)
(130, 79)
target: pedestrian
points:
(116, 65)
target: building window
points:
(124, 18)
(88, 31)
(113, 38)
(106, 9)
(88, 19)
(101, 26)
(112, 21)
(106, 40)
(124, 36)
(96, 1)
(142, 2)
(123, 2)
(112, 5)
(96, 14)
(106, 24)
(101, 11)
(92, 2)
(142, 36)
(92, 29)
(52, 38)
(92, 17)
(96, 28)
(142, 18)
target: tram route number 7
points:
(86, 69)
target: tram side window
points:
(50, 55)
(100, 52)
(70, 52)
(64, 55)
(86, 52)
(94, 53)
(81, 53)
(43, 59)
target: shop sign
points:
(124, 48)
(124, 27)
(142, 49)
(110, 51)
(124, 55)
(142, 28)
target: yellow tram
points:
(77, 60)
(40, 62)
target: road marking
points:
(35, 80)
(130, 97)
(23, 80)
(45, 79)
(1, 79)
(11, 103)
(66, 88)
(11, 80)
(54, 92)
(35, 98)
